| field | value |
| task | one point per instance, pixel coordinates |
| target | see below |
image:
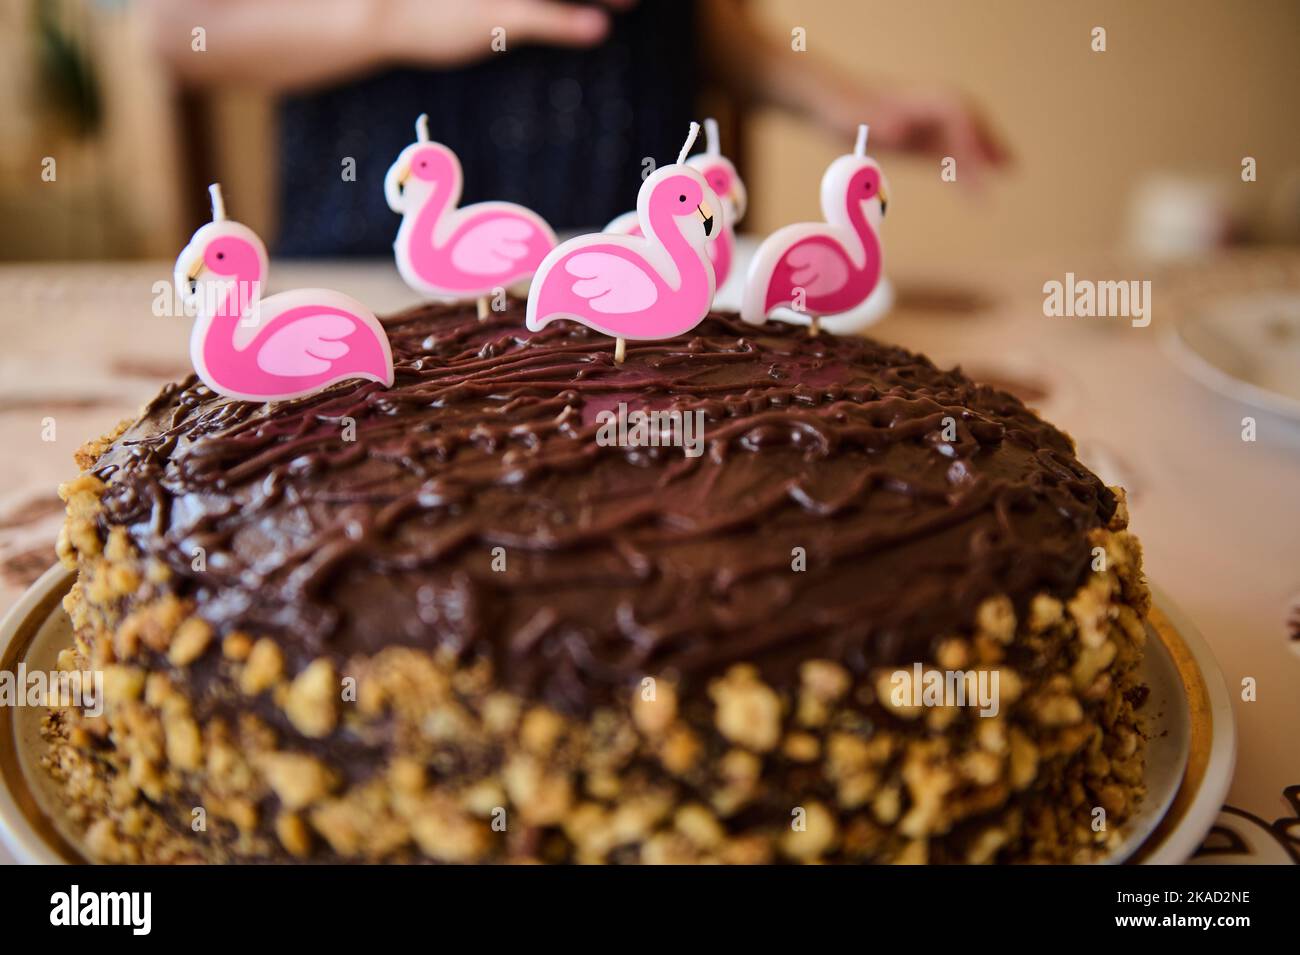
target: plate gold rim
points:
(53, 846)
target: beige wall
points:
(1186, 85)
(1189, 86)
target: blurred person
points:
(559, 121)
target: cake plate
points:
(1189, 722)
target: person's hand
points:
(941, 123)
(935, 123)
(300, 44)
(453, 32)
(757, 67)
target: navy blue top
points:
(562, 131)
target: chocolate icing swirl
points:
(619, 562)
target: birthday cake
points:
(708, 605)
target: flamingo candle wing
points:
(267, 349)
(824, 268)
(656, 285)
(457, 253)
(723, 179)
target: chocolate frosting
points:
(364, 517)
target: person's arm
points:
(288, 44)
(757, 66)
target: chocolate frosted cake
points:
(454, 621)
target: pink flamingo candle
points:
(450, 253)
(656, 285)
(267, 349)
(824, 268)
(723, 179)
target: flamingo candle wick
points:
(218, 203)
(860, 148)
(690, 141)
(422, 128)
(712, 142)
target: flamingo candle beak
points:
(188, 268)
(404, 175)
(706, 216)
(884, 201)
(739, 200)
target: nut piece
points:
(697, 824)
(1058, 710)
(886, 695)
(263, 669)
(824, 679)
(542, 798)
(184, 750)
(801, 747)
(985, 846)
(310, 704)
(996, 619)
(445, 833)
(818, 837)
(653, 717)
(236, 646)
(293, 834)
(1119, 520)
(298, 779)
(122, 684)
(1045, 611)
(928, 783)
(748, 711)
(191, 639)
(1024, 760)
(406, 774)
(540, 730)
(738, 772)
(680, 751)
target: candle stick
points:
(452, 253)
(306, 339)
(218, 202)
(656, 285)
(824, 268)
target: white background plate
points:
(1245, 346)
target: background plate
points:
(1247, 347)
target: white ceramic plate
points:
(1246, 347)
(1186, 687)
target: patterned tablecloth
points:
(1219, 517)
